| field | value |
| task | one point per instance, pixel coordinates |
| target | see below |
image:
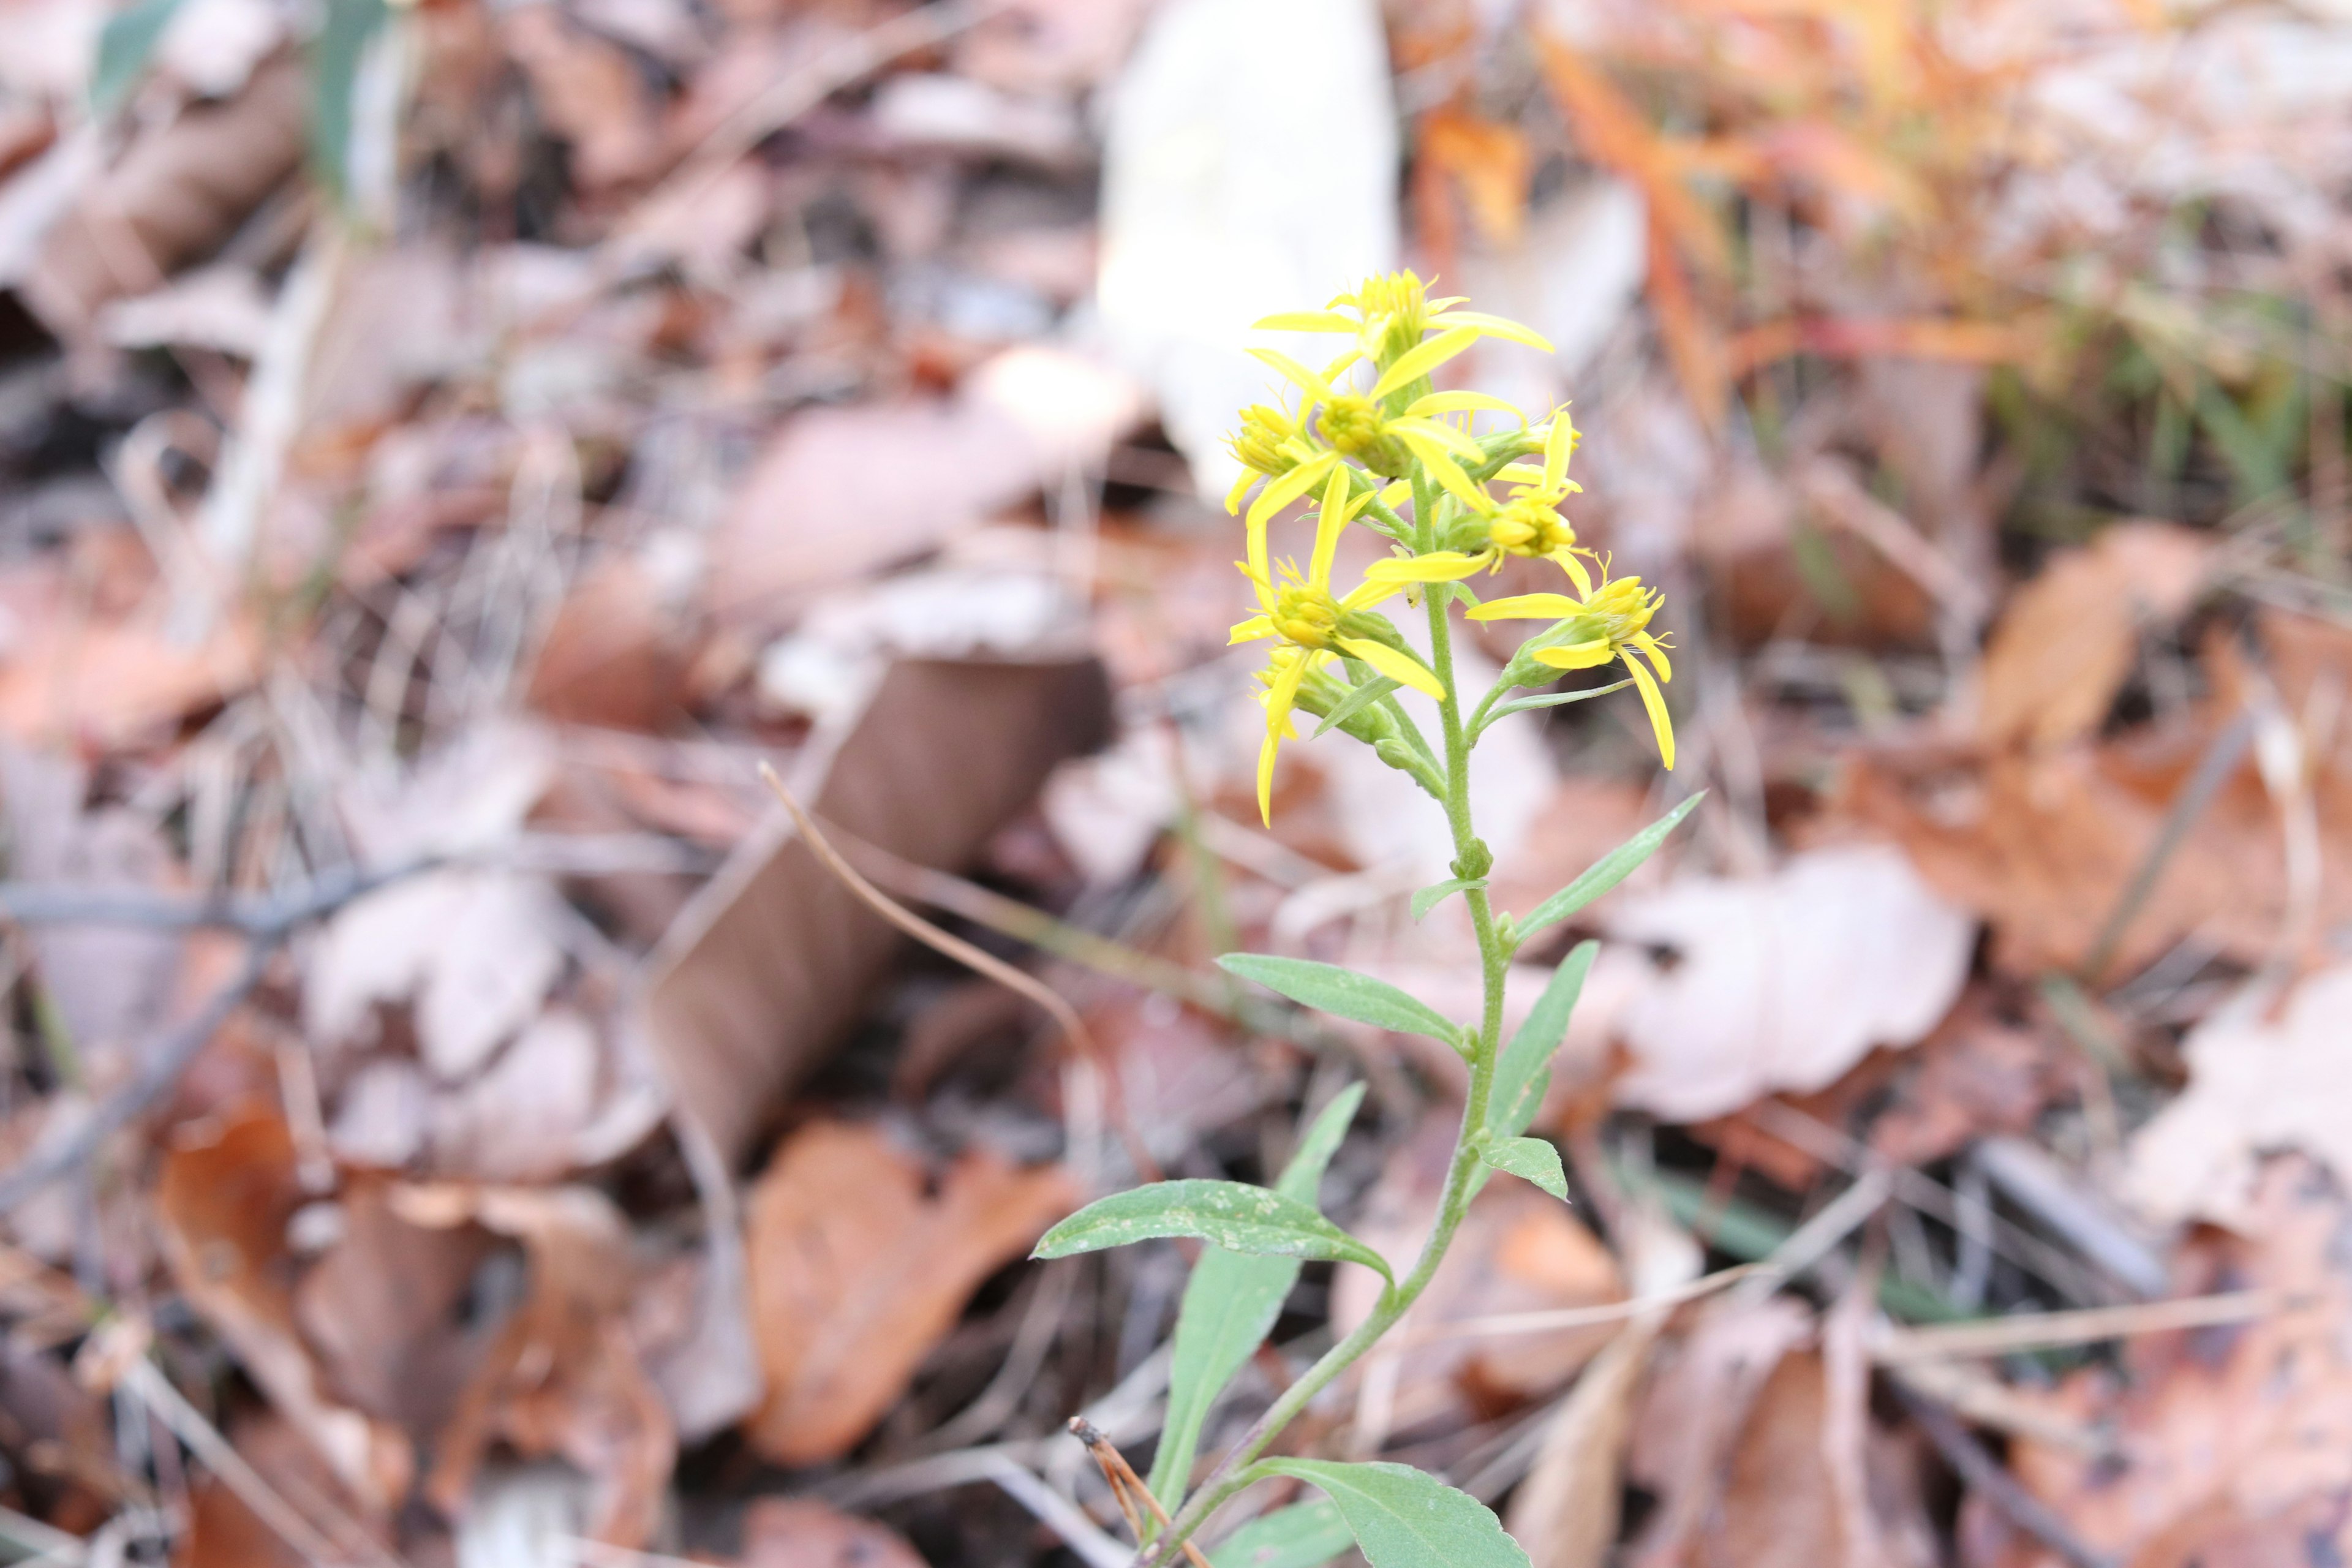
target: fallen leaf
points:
(1782, 982)
(590, 92)
(1201, 236)
(615, 655)
(2224, 1434)
(802, 1533)
(1693, 1412)
(2062, 650)
(857, 1274)
(769, 962)
(2266, 1072)
(108, 677)
(562, 1377)
(384, 1309)
(178, 191)
(227, 1191)
(475, 950)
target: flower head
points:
(1310, 624)
(1607, 622)
(1528, 523)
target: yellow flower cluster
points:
(1345, 436)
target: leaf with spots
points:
(1235, 1214)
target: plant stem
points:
(1461, 1174)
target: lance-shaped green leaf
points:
(1230, 1306)
(1520, 1075)
(337, 51)
(1530, 1160)
(1402, 1518)
(1328, 988)
(1436, 893)
(1607, 871)
(1235, 1214)
(1369, 689)
(1304, 1535)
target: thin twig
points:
(2047, 1331)
(1983, 1473)
(2213, 771)
(1125, 1484)
(1057, 1007)
(1575, 1317)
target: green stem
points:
(1461, 1172)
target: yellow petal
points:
(1422, 358)
(1250, 630)
(1449, 474)
(1397, 494)
(1305, 322)
(1329, 524)
(1266, 777)
(1316, 389)
(1529, 608)
(1557, 445)
(1444, 435)
(1460, 402)
(1661, 725)
(1400, 667)
(1370, 592)
(1492, 327)
(1575, 570)
(1438, 566)
(1576, 655)
(1287, 488)
(1241, 488)
(1649, 645)
(1284, 692)
(1520, 474)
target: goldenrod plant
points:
(1372, 445)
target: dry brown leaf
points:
(222, 1531)
(2042, 846)
(841, 491)
(2266, 1072)
(1519, 1251)
(179, 191)
(1782, 982)
(381, 1308)
(802, 1533)
(1692, 1412)
(227, 1191)
(2224, 1437)
(1565, 1514)
(771, 960)
(2062, 651)
(857, 1274)
(614, 656)
(589, 90)
(562, 1375)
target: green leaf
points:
(1370, 687)
(1235, 1214)
(1545, 700)
(336, 52)
(1530, 1160)
(1230, 1306)
(1402, 1518)
(1429, 897)
(1304, 1535)
(1328, 988)
(124, 46)
(1607, 871)
(1511, 1103)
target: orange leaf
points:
(1488, 161)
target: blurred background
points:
(448, 1118)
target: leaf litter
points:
(402, 576)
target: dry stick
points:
(1985, 1474)
(1055, 1005)
(2046, 1330)
(1124, 1480)
(2213, 771)
(154, 1391)
(266, 923)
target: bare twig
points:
(1057, 1007)
(2045, 1330)
(1983, 1473)
(2213, 771)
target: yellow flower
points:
(1392, 313)
(1528, 523)
(1610, 622)
(1312, 624)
